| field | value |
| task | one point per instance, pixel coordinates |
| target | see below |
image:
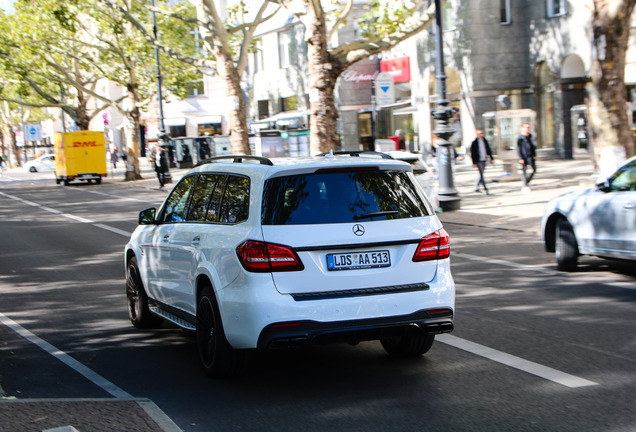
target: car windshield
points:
(340, 197)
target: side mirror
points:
(604, 186)
(147, 217)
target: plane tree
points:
(609, 123)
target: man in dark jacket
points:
(480, 152)
(161, 165)
(527, 154)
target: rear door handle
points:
(166, 237)
(629, 205)
(196, 241)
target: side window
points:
(174, 209)
(625, 179)
(236, 200)
(201, 194)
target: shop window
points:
(177, 131)
(209, 129)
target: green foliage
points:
(385, 17)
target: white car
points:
(43, 163)
(598, 221)
(423, 173)
(256, 253)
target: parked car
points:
(256, 253)
(423, 173)
(43, 163)
(598, 221)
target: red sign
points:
(399, 68)
(85, 144)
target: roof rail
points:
(358, 153)
(236, 159)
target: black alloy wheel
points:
(137, 299)
(217, 356)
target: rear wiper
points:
(375, 214)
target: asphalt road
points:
(534, 349)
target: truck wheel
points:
(410, 345)
(138, 310)
(217, 356)
(66, 182)
(98, 181)
(57, 180)
(566, 250)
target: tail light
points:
(257, 256)
(435, 246)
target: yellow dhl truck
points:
(80, 156)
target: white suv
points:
(257, 253)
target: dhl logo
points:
(86, 144)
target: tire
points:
(98, 181)
(566, 248)
(137, 299)
(218, 358)
(411, 345)
(33, 169)
(66, 182)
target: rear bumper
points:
(300, 333)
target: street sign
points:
(384, 89)
(32, 132)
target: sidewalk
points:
(83, 415)
(509, 208)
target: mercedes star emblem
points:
(358, 229)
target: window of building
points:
(263, 109)
(504, 12)
(555, 8)
(210, 129)
(449, 17)
(283, 49)
(195, 88)
(289, 103)
(177, 131)
(259, 65)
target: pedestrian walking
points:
(480, 152)
(114, 157)
(161, 165)
(527, 154)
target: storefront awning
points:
(285, 115)
(180, 121)
(406, 110)
(209, 119)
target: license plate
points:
(358, 260)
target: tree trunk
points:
(607, 104)
(133, 172)
(239, 134)
(323, 74)
(82, 120)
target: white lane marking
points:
(113, 230)
(65, 358)
(70, 216)
(539, 269)
(537, 369)
(510, 264)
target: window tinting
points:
(341, 197)
(174, 210)
(201, 194)
(235, 203)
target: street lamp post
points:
(448, 196)
(162, 138)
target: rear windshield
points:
(341, 197)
